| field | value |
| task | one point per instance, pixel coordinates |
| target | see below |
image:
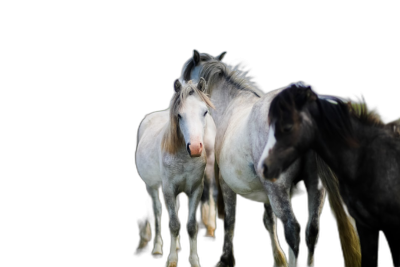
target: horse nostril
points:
(265, 171)
(188, 148)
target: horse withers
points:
(172, 152)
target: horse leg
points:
(208, 211)
(177, 206)
(280, 202)
(157, 208)
(393, 238)
(227, 259)
(194, 200)
(270, 223)
(316, 197)
(174, 226)
(369, 245)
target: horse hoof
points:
(157, 256)
(222, 264)
(209, 238)
(157, 250)
(138, 253)
(172, 264)
(210, 232)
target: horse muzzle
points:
(195, 150)
(270, 173)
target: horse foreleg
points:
(282, 207)
(174, 226)
(177, 206)
(316, 197)
(194, 200)
(270, 223)
(157, 208)
(227, 259)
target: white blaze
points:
(271, 141)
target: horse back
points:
(153, 123)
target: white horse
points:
(241, 116)
(170, 154)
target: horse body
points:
(169, 154)
(370, 169)
(362, 152)
(239, 153)
(241, 136)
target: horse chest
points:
(183, 174)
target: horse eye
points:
(205, 113)
(179, 116)
(287, 128)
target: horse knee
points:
(174, 226)
(192, 228)
(292, 234)
(312, 234)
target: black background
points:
(137, 66)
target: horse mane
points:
(172, 138)
(364, 115)
(212, 70)
(334, 113)
(336, 119)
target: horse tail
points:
(348, 234)
(220, 200)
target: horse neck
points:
(226, 97)
(258, 124)
(343, 159)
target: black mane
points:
(334, 115)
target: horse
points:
(170, 154)
(359, 153)
(242, 131)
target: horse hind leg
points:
(269, 220)
(157, 208)
(145, 235)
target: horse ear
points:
(177, 85)
(220, 57)
(196, 57)
(202, 84)
(311, 96)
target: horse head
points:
(189, 109)
(291, 130)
